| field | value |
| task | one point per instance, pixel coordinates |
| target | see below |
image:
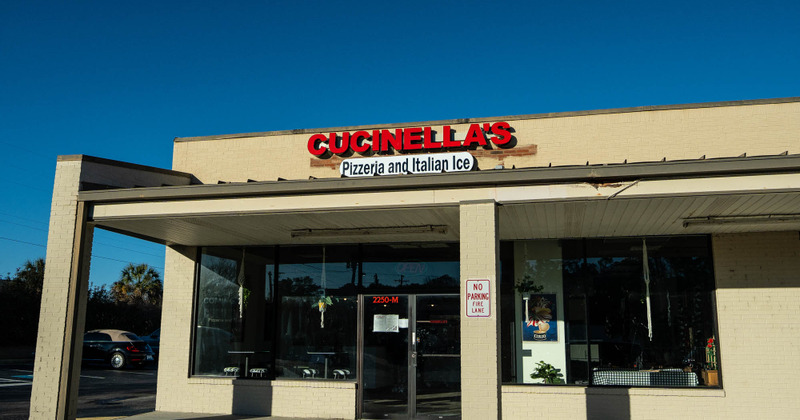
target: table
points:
(662, 377)
(247, 354)
(246, 358)
(326, 354)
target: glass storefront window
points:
(318, 312)
(292, 311)
(615, 311)
(420, 268)
(235, 313)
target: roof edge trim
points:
(698, 105)
(528, 176)
(121, 164)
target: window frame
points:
(507, 279)
(279, 250)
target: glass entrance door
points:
(410, 356)
(384, 345)
(437, 334)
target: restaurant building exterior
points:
(623, 263)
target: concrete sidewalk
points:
(162, 415)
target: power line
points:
(22, 242)
(96, 242)
(30, 186)
(26, 226)
(93, 255)
(123, 261)
(131, 250)
(24, 218)
(26, 169)
(16, 146)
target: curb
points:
(99, 418)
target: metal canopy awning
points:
(657, 198)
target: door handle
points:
(414, 359)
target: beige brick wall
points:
(758, 299)
(314, 399)
(480, 370)
(60, 240)
(721, 131)
(758, 304)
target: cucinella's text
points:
(408, 140)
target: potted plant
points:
(710, 373)
(548, 372)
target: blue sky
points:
(120, 80)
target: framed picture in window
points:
(539, 317)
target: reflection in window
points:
(265, 312)
(317, 285)
(234, 313)
(414, 268)
(622, 311)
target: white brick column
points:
(59, 345)
(66, 279)
(480, 336)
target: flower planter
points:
(711, 377)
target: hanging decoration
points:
(646, 274)
(324, 301)
(669, 311)
(241, 280)
(323, 304)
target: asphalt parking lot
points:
(103, 392)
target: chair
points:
(260, 372)
(231, 371)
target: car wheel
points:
(117, 360)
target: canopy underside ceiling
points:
(727, 213)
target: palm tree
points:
(138, 283)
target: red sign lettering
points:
(385, 299)
(408, 139)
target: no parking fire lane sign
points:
(478, 298)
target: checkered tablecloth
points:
(665, 377)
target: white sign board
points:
(478, 296)
(432, 163)
(385, 323)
